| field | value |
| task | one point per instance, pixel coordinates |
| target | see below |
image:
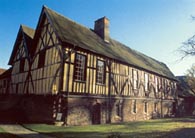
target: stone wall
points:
(85, 110)
(81, 110)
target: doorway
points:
(96, 114)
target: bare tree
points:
(191, 71)
(188, 47)
(191, 78)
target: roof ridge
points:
(28, 30)
(45, 7)
(140, 53)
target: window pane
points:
(156, 84)
(146, 80)
(100, 72)
(135, 79)
(80, 67)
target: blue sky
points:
(156, 28)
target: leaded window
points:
(100, 72)
(135, 79)
(80, 68)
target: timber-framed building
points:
(63, 71)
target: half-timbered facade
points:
(77, 75)
(20, 61)
(5, 78)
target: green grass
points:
(161, 128)
(1, 130)
(4, 134)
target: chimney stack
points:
(102, 28)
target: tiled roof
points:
(85, 38)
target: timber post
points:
(60, 99)
(64, 96)
(109, 109)
(65, 111)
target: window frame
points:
(135, 79)
(134, 106)
(155, 107)
(156, 82)
(98, 81)
(119, 108)
(82, 68)
(145, 107)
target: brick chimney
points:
(101, 28)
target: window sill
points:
(101, 84)
(79, 81)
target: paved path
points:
(22, 132)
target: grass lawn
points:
(160, 128)
(4, 134)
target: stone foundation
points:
(86, 111)
(80, 110)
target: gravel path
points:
(22, 132)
